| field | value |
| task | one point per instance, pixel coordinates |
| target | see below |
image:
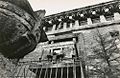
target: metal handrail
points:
(25, 70)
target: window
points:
(57, 50)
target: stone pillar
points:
(75, 46)
(71, 25)
(82, 70)
(81, 50)
(44, 28)
(76, 23)
(64, 25)
(52, 42)
(74, 40)
(59, 25)
(116, 16)
(102, 18)
(54, 26)
(89, 21)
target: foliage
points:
(104, 61)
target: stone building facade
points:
(72, 32)
(78, 25)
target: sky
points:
(57, 6)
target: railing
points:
(47, 69)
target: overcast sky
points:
(56, 6)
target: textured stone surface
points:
(6, 67)
(20, 28)
(20, 32)
(34, 55)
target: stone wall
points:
(35, 55)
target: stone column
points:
(89, 21)
(71, 25)
(59, 25)
(44, 28)
(64, 25)
(54, 26)
(102, 18)
(74, 40)
(81, 50)
(76, 23)
(81, 69)
(75, 46)
(52, 42)
(116, 16)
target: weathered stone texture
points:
(6, 67)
